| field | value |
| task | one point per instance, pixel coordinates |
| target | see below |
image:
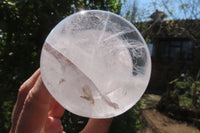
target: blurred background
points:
(171, 29)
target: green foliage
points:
(128, 122)
(185, 101)
(188, 90)
(181, 101)
(24, 25)
(185, 83)
(73, 123)
(6, 108)
(127, 14)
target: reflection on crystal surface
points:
(95, 64)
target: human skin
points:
(36, 111)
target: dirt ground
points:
(159, 123)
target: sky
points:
(146, 8)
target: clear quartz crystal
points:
(95, 64)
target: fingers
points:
(56, 111)
(23, 91)
(53, 125)
(35, 110)
(97, 126)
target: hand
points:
(37, 112)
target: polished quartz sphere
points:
(95, 64)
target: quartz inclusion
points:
(95, 64)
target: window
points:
(150, 46)
(175, 50)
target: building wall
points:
(168, 66)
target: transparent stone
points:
(95, 64)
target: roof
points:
(171, 29)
